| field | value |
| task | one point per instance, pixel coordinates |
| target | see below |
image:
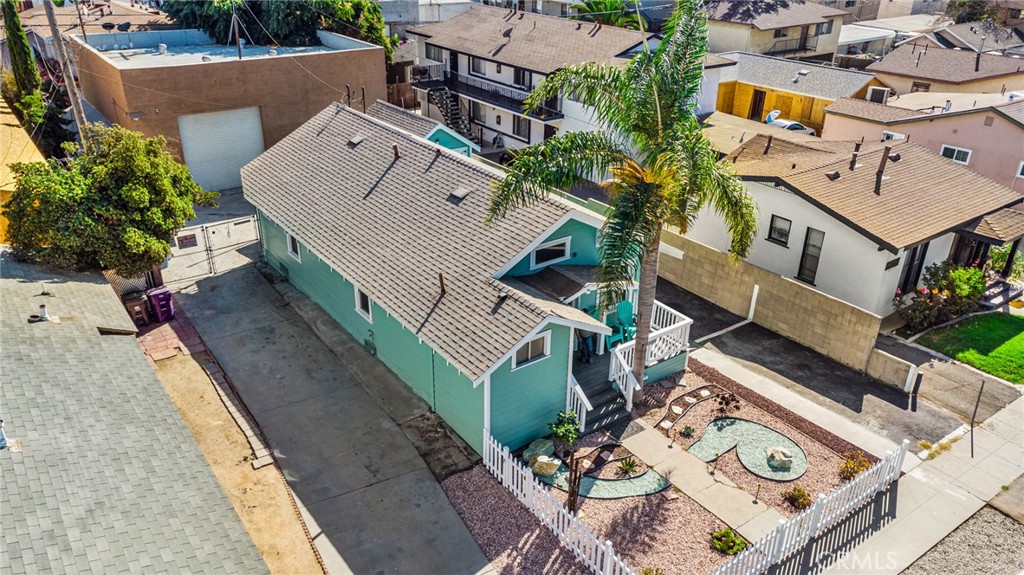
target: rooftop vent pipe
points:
(43, 314)
(768, 145)
(881, 170)
(856, 152)
(161, 48)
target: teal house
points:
(385, 231)
(419, 125)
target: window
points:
(477, 112)
(363, 305)
(889, 136)
(779, 230)
(958, 155)
(434, 53)
(293, 248)
(477, 66)
(781, 32)
(823, 29)
(850, 3)
(533, 351)
(550, 253)
(521, 127)
(920, 87)
(989, 120)
(811, 255)
(1020, 170)
(522, 77)
(565, 9)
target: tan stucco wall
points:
(996, 150)
(287, 93)
(823, 323)
(728, 36)
(1010, 83)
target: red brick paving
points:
(164, 340)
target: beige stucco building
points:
(798, 30)
(921, 67)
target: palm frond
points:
(555, 163)
(591, 84)
(682, 51)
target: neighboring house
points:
(905, 8)
(478, 68)
(728, 132)
(984, 132)
(915, 68)
(105, 476)
(385, 231)
(794, 29)
(218, 111)
(985, 37)
(800, 90)
(37, 28)
(401, 15)
(422, 126)
(856, 39)
(563, 8)
(856, 10)
(858, 234)
(17, 147)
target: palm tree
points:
(610, 13)
(663, 168)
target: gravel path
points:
(989, 543)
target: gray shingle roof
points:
(391, 226)
(821, 82)
(922, 195)
(952, 66)
(109, 479)
(869, 110)
(416, 124)
(769, 14)
(979, 36)
(531, 41)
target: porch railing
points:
(670, 336)
(578, 402)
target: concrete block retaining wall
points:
(891, 370)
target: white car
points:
(794, 126)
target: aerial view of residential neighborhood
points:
(512, 287)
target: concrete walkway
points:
(369, 499)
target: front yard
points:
(993, 343)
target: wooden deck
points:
(593, 376)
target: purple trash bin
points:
(162, 304)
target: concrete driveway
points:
(371, 502)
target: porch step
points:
(607, 395)
(605, 415)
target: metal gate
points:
(209, 248)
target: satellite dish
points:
(772, 116)
(124, 26)
(108, 26)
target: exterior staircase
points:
(448, 103)
(609, 406)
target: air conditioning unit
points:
(891, 136)
(878, 95)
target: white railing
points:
(578, 402)
(598, 555)
(670, 336)
(793, 534)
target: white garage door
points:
(216, 145)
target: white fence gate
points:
(196, 251)
(791, 535)
(519, 479)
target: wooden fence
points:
(791, 535)
(577, 537)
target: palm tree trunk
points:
(644, 311)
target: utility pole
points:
(65, 68)
(234, 26)
(81, 24)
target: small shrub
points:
(565, 429)
(628, 466)
(942, 447)
(687, 432)
(728, 403)
(798, 497)
(925, 445)
(728, 542)
(855, 464)
(998, 261)
(652, 571)
(949, 291)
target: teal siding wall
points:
(666, 368)
(448, 392)
(525, 401)
(583, 246)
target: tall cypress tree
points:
(26, 75)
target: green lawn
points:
(993, 343)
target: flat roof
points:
(852, 34)
(959, 102)
(919, 23)
(133, 50)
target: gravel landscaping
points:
(822, 463)
(989, 543)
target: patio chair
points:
(627, 321)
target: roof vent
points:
(161, 48)
(803, 72)
(124, 26)
(895, 158)
(356, 141)
(207, 59)
(832, 176)
(460, 193)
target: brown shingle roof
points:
(869, 110)
(953, 66)
(531, 41)
(770, 14)
(921, 196)
(392, 226)
(416, 124)
(1014, 111)
(1003, 226)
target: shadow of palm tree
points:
(650, 512)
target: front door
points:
(550, 131)
(757, 106)
(453, 63)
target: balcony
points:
(507, 97)
(793, 46)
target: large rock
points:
(538, 448)
(779, 458)
(546, 466)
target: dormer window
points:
(550, 253)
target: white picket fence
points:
(791, 535)
(577, 537)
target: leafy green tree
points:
(971, 10)
(289, 23)
(52, 133)
(26, 75)
(115, 206)
(663, 168)
(610, 13)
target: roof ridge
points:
(516, 295)
(803, 63)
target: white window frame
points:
(824, 28)
(440, 53)
(942, 152)
(483, 66)
(367, 314)
(297, 254)
(876, 89)
(516, 120)
(546, 336)
(1020, 170)
(568, 253)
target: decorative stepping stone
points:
(665, 424)
(606, 455)
(677, 410)
(586, 464)
(704, 393)
(670, 494)
(690, 399)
